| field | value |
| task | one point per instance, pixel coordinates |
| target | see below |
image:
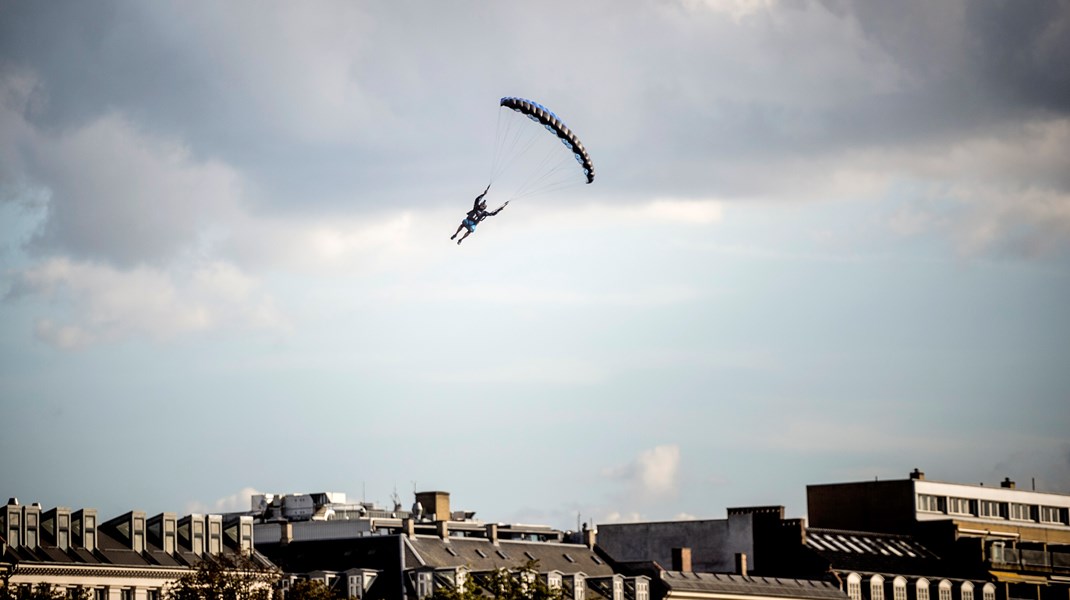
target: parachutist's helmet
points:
(482, 204)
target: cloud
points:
(237, 502)
(121, 196)
(652, 474)
(101, 304)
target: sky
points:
(826, 241)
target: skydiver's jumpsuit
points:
(475, 216)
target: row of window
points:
(945, 589)
(992, 509)
(96, 593)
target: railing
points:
(1029, 560)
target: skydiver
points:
(477, 214)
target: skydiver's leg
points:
(459, 228)
(466, 234)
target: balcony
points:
(1033, 561)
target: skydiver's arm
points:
(480, 197)
(499, 209)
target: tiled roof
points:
(740, 585)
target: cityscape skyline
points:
(823, 241)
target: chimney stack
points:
(286, 533)
(443, 530)
(916, 474)
(408, 528)
(590, 536)
(681, 560)
(741, 563)
(1007, 483)
(492, 533)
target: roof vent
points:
(916, 474)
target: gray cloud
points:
(337, 109)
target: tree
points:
(309, 589)
(41, 591)
(223, 577)
(503, 584)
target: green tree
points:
(309, 589)
(503, 584)
(41, 591)
(224, 577)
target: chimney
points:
(443, 530)
(286, 533)
(408, 527)
(492, 533)
(1007, 483)
(741, 563)
(590, 536)
(436, 504)
(681, 560)
(916, 474)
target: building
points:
(129, 557)
(365, 552)
(1017, 539)
(713, 544)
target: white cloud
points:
(737, 9)
(237, 502)
(104, 304)
(120, 195)
(652, 474)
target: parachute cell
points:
(540, 114)
(529, 160)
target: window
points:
(100, 593)
(876, 588)
(899, 589)
(988, 592)
(959, 506)
(1051, 514)
(126, 593)
(642, 590)
(929, 503)
(1021, 512)
(989, 508)
(966, 591)
(854, 587)
(152, 594)
(922, 588)
(423, 585)
(945, 590)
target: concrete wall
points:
(713, 543)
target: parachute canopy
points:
(540, 114)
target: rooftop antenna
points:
(396, 499)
